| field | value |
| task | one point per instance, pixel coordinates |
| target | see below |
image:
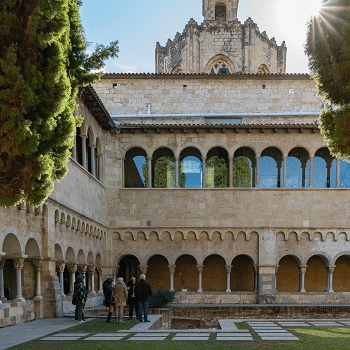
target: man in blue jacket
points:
(143, 291)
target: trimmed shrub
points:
(161, 298)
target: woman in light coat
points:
(119, 296)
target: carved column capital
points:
(302, 270)
(143, 269)
(38, 265)
(91, 269)
(82, 269)
(99, 269)
(115, 270)
(330, 269)
(172, 268)
(228, 268)
(61, 266)
(19, 263)
(72, 268)
(200, 268)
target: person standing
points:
(132, 301)
(107, 291)
(119, 296)
(143, 292)
(79, 298)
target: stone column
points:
(230, 172)
(82, 270)
(100, 167)
(93, 163)
(302, 271)
(60, 269)
(92, 270)
(330, 271)
(149, 164)
(172, 271)
(338, 173)
(200, 271)
(204, 184)
(228, 278)
(256, 278)
(19, 263)
(38, 268)
(123, 172)
(115, 273)
(2, 291)
(143, 269)
(100, 288)
(311, 172)
(285, 171)
(177, 181)
(83, 153)
(257, 172)
(72, 268)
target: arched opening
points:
(242, 274)
(214, 274)
(29, 274)
(344, 174)
(158, 274)
(298, 168)
(263, 69)
(135, 168)
(90, 142)
(287, 277)
(244, 167)
(177, 70)
(216, 169)
(191, 168)
(220, 11)
(79, 146)
(220, 64)
(324, 171)
(186, 273)
(316, 275)
(341, 274)
(98, 159)
(163, 168)
(129, 265)
(270, 168)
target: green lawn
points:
(310, 338)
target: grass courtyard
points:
(309, 338)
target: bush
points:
(161, 298)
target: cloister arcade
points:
(244, 167)
(214, 274)
(21, 266)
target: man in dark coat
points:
(143, 292)
(79, 297)
(132, 301)
(107, 291)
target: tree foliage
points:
(328, 48)
(216, 174)
(241, 172)
(43, 63)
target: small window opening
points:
(220, 12)
(115, 86)
(264, 86)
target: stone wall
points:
(12, 313)
(196, 95)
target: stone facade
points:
(221, 44)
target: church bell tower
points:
(220, 10)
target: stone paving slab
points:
(239, 337)
(105, 338)
(70, 334)
(190, 338)
(233, 335)
(144, 326)
(110, 335)
(346, 323)
(147, 338)
(151, 334)
(294, 324)
(270, 330)
(228, 325)
(279, 338)
(60, 338)
(325, 324)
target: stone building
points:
(221, 44)
(217, 186)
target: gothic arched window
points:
(220, 12)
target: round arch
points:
(11, 246)
(214, 273)
(163, 168)
(32, 249)
(186, 273)
(190, 168)
(242, 273)
(128, 265)
(158, 274)
(316, 274)
(135, 168)
(287, 276)
(70, 256)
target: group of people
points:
(136, 294)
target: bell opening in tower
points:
(220, 12)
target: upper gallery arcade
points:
(221, 44)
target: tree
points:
(216, 172)
(241, 172)
(43, 63)
(328, 48)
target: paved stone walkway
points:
(47, 329)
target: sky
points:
(139, 24)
